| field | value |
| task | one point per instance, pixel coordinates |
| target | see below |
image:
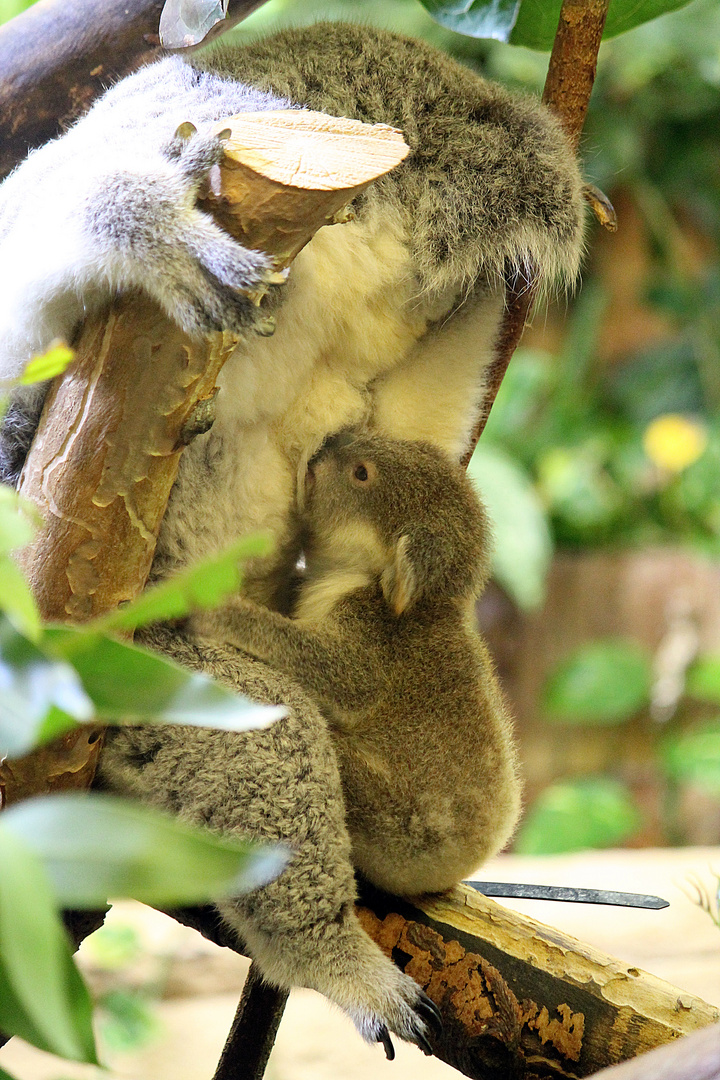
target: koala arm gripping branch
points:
(328, 664)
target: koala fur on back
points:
(386, 323)
(384, 641)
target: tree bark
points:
(55, 59)
(695, 1058)
(518, 999)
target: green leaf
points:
(204, 585)
(6, 1075)
(523, 545)
(571, 815)
(703, 679)
(475, 18)
(605, 682)
(32, 685)
(131, 685)
(537, 20)
(129, 1022)
(693, 757)
(94, 846)
(48, 365)
(17, 601)
(18, 519)
(42, 996)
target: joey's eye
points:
(360, 473)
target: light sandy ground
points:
(315, 1042)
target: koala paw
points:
(408, 1013)
(149, 225)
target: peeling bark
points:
(522, 999)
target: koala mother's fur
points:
(387, 322)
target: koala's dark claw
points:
(424, 1045)
(201, 419)
(265, 327)
(384, 1038)
(430, 1013)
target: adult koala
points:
(385, 324)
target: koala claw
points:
(277, 277)
(384, 1038)
(430, 1013)
(265, 327)
(196, 152)
(185, 131)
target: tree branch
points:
(56, 59)
(569, 83)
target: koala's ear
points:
(417, 560)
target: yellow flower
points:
(673, 441)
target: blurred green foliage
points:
(609, 683)
(594, 812)
(604, 682)
(75, 850)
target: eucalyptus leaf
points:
(187, 22)
(204, 585)
(523, 545)
(48, 365)
(603, 682)
(18, 518)
(32, 684)
(17, 601)
(572, 815)
(693, 757)
(537, 20)
(475, 18)
(42, 996)
(131, 685)
(94, 846)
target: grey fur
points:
(385, 642)
(277, 784)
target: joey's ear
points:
(417, 564)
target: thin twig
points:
(568, 86)
(252, 1035)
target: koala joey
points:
(386, 324)
(383, 639)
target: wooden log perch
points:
(108, 446)
(522, 999)
(518, 999)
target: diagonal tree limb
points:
(55, 59)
